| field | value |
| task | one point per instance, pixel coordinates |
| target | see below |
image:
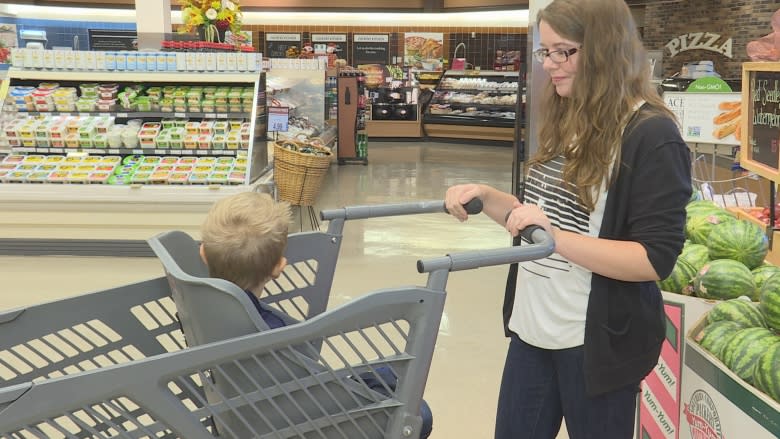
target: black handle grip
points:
(473, 207)
(527, 232)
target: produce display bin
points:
(719, 404)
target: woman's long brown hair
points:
(612, 76)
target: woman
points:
(609, 182)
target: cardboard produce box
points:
(718, 403)
(661, 402)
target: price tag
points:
(93, 151)
(222, 116)
(203, 152)
(159, 151)
(210, 116)
(84, 114)
(57, 150)
(66, 114)
(113, 151)
(278, 118)
(23, 149)
(122, 115)
(41, 150)
(174, 151)
(187, 152)
(180, 115)
(138, 151)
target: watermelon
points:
(740, 240)
(698, 206)
(769, 302)
(766, 375)
(762, 273)
(698, 228)
(695, 254)
(724, 279)
(716, 335)
(745, 348)
(740, 310)
(680, 278)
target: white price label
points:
(181, 115)
(57, 150)
(203, 152)
(210, 116)
(222, 116)
(138, 151)
(93, 151)
(159, 151)
(113, 151)
(41, 150)
(84, 114)
(187, 152)
(122, 115)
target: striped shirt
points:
(551, 298)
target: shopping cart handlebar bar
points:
(541, 247)
(473, 207)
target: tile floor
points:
(377, 253)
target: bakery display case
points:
(482, 105)
(392, 110)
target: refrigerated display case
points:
(481, 105)
(80, 186)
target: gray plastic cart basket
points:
(114, 364)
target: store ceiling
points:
(314, 5)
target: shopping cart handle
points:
(473, 207)
(541, 247)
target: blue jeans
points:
(540, 387)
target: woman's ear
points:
(278, 268)
(203, 254)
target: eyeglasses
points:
(556, 56)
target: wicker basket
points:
(299, 176)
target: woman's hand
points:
(458, 195)
(524, 215)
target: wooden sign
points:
(760, 145)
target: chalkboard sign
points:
(107, 39)
(370, 49)
(276, 45)
(760, 140)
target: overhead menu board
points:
(280, 45)
(370, 49)
(761, 127)
(111, 39)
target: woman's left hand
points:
(524, 215)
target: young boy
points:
(243, 240)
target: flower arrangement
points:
(215, 16)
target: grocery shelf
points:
(117, 76)
(480, 90)
(133, 151)
(142, 114)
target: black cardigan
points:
(625, 323)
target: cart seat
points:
(197, 296)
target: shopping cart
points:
(114, 363)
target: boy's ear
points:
(278, 268)
(203, 254)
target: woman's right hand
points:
(458, 195)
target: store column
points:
(153, 22)
(534, 86)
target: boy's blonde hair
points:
(244, 238)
